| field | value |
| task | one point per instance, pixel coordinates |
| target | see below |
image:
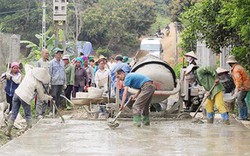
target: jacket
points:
(206, 77)
(28, 87)
(57, 72)
(13, 83)
(70, 74)
(81, 77)
(240, 77)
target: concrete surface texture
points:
(49, 137)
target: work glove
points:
(8, 76)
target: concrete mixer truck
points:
(164, 79)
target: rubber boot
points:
(210, 118)
(28, 126)
(145, 120)
(137, 120)
(9, 128)
(225, 118)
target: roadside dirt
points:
(168, 45)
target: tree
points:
(176, 7)
(220, 24)
(76, 9)
(236, 14)
(114, 22)
(21, 17)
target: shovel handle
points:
(118, 114)
(204, 99)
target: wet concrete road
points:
(86, 137)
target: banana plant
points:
(35, 52)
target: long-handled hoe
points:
(196, 120)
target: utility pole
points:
(59, 17)
(44, 25)
(176, 42)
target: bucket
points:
(81, 95)
(94, 92)
(229, 102)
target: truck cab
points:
(153, 46)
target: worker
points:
(43, 62)
(187, 87)
(32, 83)
(70, 76)
(13, 79)
(207, 77)
(142, 98)
(191, 58)
(225, 79)
(242, 83)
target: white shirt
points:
(101, 78)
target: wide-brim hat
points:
(41, 74)
(190, 68)
(191, 54)
(220, 70)
(102, 57)
(231, 59)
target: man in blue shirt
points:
(58, 75)
(119, 65)
(142, 98)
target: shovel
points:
(113, 124)
(52, 102)
(195, 120)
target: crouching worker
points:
(207, 77)
(142, 98)
(31, 84)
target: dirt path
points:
(168, 45)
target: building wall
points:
(205, 55)
(9, 52)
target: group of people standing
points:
(219, 81)
(50, 78)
